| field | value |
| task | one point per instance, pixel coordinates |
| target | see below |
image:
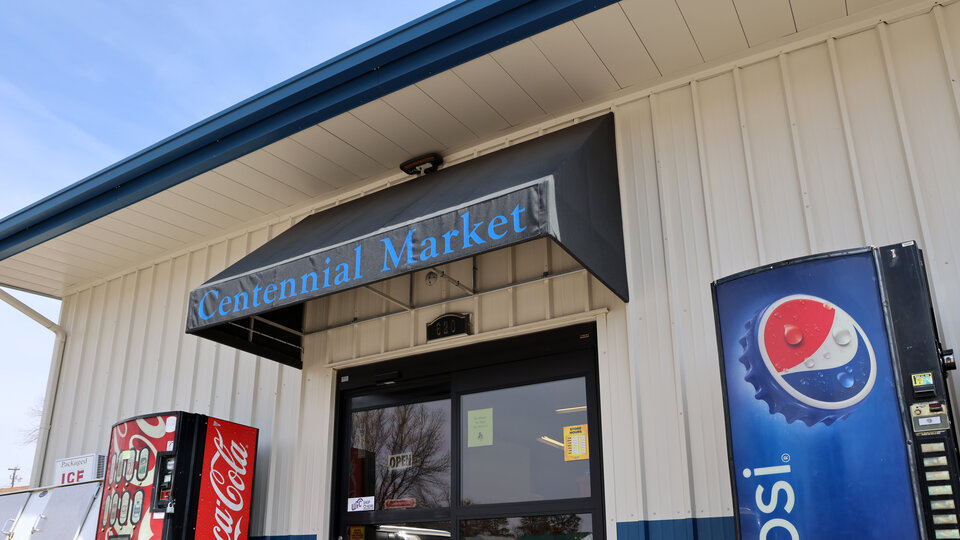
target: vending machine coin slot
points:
(929, 417)
(163, 483)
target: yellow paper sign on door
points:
(575, 445)
(357, 532)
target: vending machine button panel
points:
(938, 461)
(945, 519)
(938, 476)
(948, 533)
(943, 504)
(936, 491)
(931, 448)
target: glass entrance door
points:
(485, 443)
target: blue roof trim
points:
(438, 41)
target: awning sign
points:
(506, 219)
(563, 186)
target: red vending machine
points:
(178, 476)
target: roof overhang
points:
(431, 44)
(464, 80)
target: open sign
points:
(399, 462)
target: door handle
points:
(8, 527)
(36, 523)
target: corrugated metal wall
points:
(127, 355)
(850, 141)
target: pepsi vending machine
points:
(839, 421)
(178, 476)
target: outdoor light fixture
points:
(422, 165)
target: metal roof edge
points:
(433, 43)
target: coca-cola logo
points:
(229, 485)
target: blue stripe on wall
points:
(719, 528)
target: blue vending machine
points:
(839, 423)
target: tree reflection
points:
(420, 430)
(557, 527)
(482, 528)
(566, 526)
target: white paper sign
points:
(359, 504)
(930, 421)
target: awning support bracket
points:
(268, 336)
(389, 298)
(447, 300)
(455, 282)
(276, 325)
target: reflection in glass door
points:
(525, 443)
(400, 455)
(477, 444)
(555, 527)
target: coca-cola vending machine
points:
(178, 476)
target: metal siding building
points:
(747, 132)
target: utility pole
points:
(13, 476)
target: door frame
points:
(555, 354)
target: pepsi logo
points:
(816, 352)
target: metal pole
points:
(53, 380)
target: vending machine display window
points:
(499, 439)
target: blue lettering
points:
(389, 251)
(203, 299)
(516, 219)
(431, 250)
(256, 290)
(270, 289)
(304, 279)
(356, 268)
(283, 288)
(446, 240)
(326, 274)
(472, 233)
(343, 273)
(225, 301)
(492, 229)
(236, 302)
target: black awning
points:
(562, 185)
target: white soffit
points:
(632, 44)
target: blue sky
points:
(85, 84)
